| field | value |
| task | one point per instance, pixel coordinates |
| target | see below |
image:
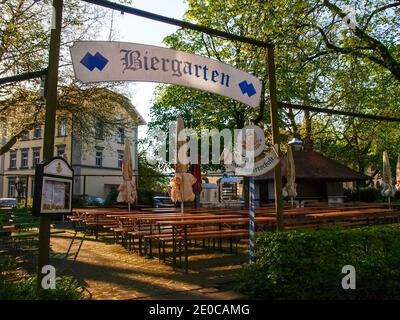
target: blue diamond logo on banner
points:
(248, 88)
(97, 61)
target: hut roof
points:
(313, 165)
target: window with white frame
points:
(121, 135)
(99, 158)
(120, 158)
(13, 159)
(11, 188)
(36, 157)
(24, 158)
(37, 132)
(62, 127)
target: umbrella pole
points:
(182, 207)
(129, 206)
(389, 202)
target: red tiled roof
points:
(314, 165)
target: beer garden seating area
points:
(170, 235)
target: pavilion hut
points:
(318, 178)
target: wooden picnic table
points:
(181, 217)
(151, 220)
(180, 227)
(233, 220)
(350, 213)
(304, 212)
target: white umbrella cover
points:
(127, 189)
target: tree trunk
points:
(308, 138)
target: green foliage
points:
(24, 45)
(308, 264)
(111, 198)
(367, 194)
(66, 289)
(146, 197)
(151, 177)
(319, 62)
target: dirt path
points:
(112, 272)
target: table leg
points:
(220, 239)
(186, 251)
(97, 227)
(150, 241)
(139, 239)
(173, 247)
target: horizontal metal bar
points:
(338, 112)
(179, 23)
(24, 76)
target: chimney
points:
(296, 144)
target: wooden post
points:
(275, 136)
(49, 130)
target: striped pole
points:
(252, 225)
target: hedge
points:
(66, 289)
(308, 264)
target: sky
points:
(131, 28)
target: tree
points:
(364, 45)
(24, 41)
(320, 61)
(151, 177)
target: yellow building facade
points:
(97, 168)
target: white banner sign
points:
(97, 61)
(268, 161)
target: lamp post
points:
(19, 187)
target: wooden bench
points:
(198, 235)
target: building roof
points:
(314, 165)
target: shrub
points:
(66, 289)
(111, 198)
(308, 264)
(145, 197)
(365, 194)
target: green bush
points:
(145, 197)
(66, 289)
(366, 194)
(308, 264)
(111, 198)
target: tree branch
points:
(387, 60)
(378, 10)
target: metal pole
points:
(175, 22)
(84, 185)
(26, 191)
(24, 76)
(275, 137)
(252, 224)
(49, 130)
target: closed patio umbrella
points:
(127, 189)
(289, 190)
(181, 184)
(388, 189)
